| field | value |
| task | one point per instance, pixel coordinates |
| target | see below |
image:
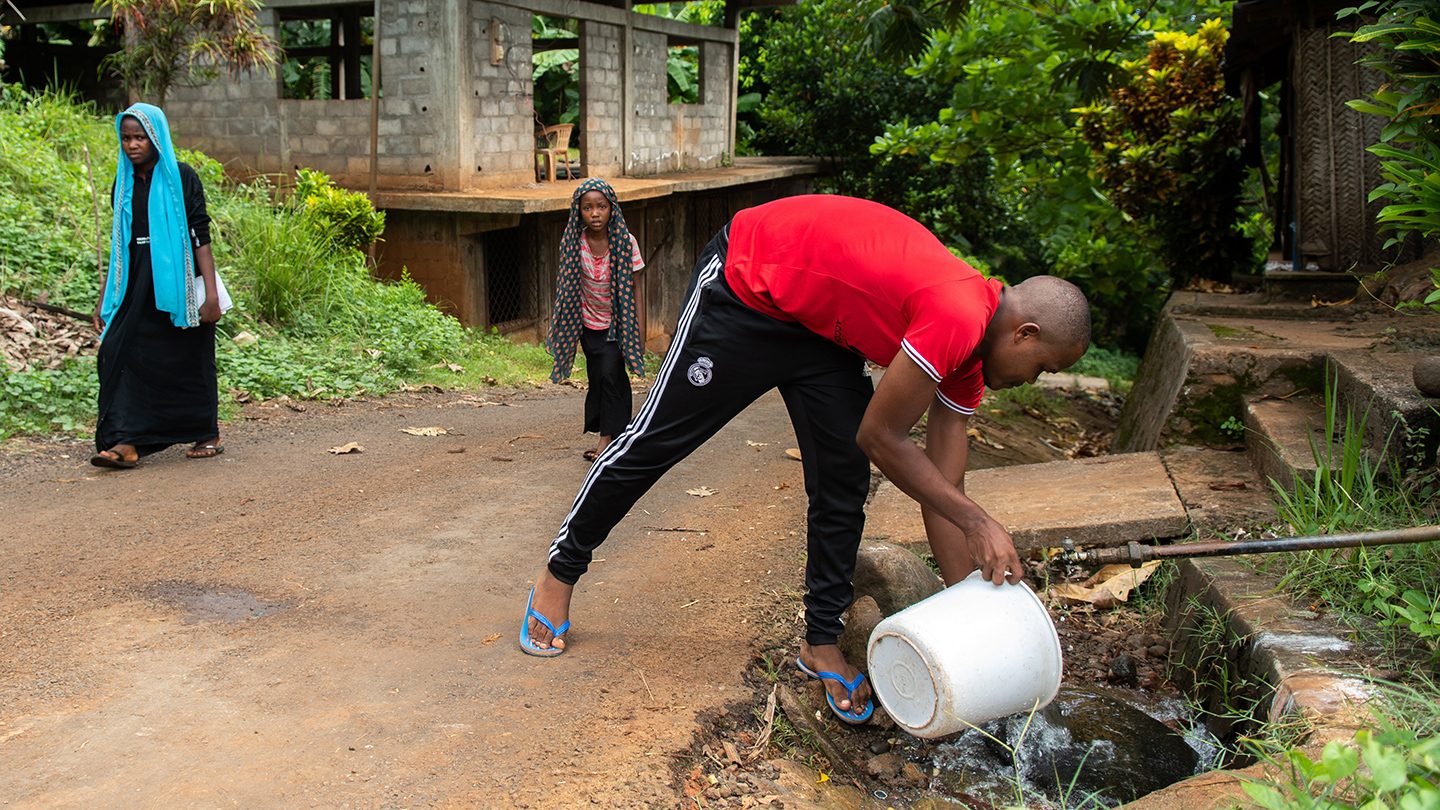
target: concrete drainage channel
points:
(1244, 654)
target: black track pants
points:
(724, 356)
(607, 402)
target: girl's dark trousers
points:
(607, 404)
(724, 356)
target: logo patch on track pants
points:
(700, 372)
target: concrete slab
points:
(1280, 437)
(1103, 501)
(1220, 491)
(1063, 380)
(1400, 421)
(533, 198)
(1293, 649)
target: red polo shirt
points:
(869, 278)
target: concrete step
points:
(1209, 353)
(1220, 490)
(1400, 423)
(1303, 285)
(1281, 436)
(1199, 367)
(1102, 501)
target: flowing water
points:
(1092, 747)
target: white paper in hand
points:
(225, 303)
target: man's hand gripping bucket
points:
(972, 653)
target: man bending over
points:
(797, 294)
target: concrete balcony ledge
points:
(539, 198)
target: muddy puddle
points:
(211, 603)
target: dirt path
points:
(287, 627)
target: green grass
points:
(1393, 762)
(1389, 596)
(315, 323)
(1115, 366)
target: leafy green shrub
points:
(1166, 145)
(47, 401)
(1117, 367)
(346, 218)
(1379, 771)
(290, 274)
(48, 213)
(1408, 35)
(1415, 611)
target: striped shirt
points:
(595, 284)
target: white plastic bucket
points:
(972, 653)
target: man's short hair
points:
(1060, 309)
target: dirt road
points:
(286, 627)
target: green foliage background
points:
(1166, 142)
(324, 327)
(1407, 33)
(974, 133)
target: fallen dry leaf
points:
(425, 431)
(977, 435)
(490, 639)
(32, 337)
(351, 447)
(1105, 587)
(794, 453)
(701, 492)
(1228, 486)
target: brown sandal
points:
(111, 460)
(205, 450)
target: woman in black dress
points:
(158, 309)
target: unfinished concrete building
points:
(460, 148)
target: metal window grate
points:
(509, 285)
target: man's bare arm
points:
(902, 395)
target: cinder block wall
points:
(452, 121)
(602, 80)
(246, 123)
(672, 137)
(498, 135)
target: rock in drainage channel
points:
(1091, 747)
(212, 603)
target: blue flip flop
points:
(528, 647)
(851, 717)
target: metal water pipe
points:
(1135, 554)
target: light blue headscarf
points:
(172, 261)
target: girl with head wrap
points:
(595, 307)
(157, 344)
